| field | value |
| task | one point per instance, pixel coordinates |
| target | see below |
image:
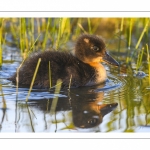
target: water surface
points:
(120, 105)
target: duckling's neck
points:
(100, 73)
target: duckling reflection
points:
(88, 110)
(91, 114)
(87, 106)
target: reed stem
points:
(120, 32)
(139, 60)
(46, 34)
(142, 34)
(17, 79)
(55, 100)
(50, 75)
(130, 31)
(89, 25)
(148, 61)
(3, 99)
(32, 82)
(70, 82)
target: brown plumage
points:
(84, 66)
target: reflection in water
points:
(88, 109)
(78, 110)
(85, 109)
(3, 116)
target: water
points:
(121, 105)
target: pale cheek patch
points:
(101, 59)
(97, 60)
(86, 40)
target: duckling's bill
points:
(110, 60)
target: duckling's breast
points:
(100, 75)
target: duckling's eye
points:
(95, 48)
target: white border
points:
(75, 5)
(75, 135)
(74, 14)
(74, 8)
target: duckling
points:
(84, 68)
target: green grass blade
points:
(46, 34)
(34, 42)
(139, 60)
(120, 33)
(142, 34)
(55, 100)
(148, 61)
(89, 25)
(81, 27)
(63, 25)
(50, 75)
(32, 31)
(37, 67)
(130, 31)
(122, 22)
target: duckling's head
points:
(91, 49)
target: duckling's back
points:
(63, 66)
